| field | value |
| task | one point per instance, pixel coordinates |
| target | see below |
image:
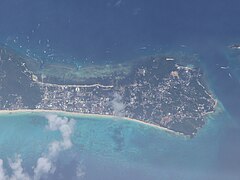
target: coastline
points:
(76, 114)
(216, 104)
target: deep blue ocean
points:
(111, 31)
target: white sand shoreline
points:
(77, 114)
(67, 113)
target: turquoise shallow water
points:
(119, 149)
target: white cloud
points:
(2, 171)
(80, 171)
(45, 164)
(17, 169)
(118, 105)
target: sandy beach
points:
(217, 109)
(76, 114)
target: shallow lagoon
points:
(108, 148)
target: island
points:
(155, 90)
